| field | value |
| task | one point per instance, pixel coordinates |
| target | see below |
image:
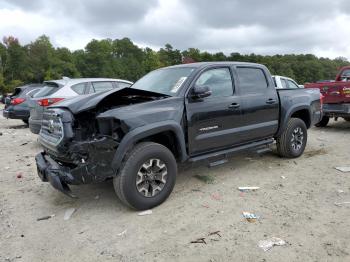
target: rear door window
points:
(293, 85)
(102, 86)
(47, 90)
(251, 80)
(79, 88)
(123, 84)
(284, 83)
(89, 89)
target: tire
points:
(25, 121)
(136, 195)
(324, 122)
(347, 119)
(292, 142)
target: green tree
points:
(98, 59)
(15, 67)
(151, 60)
(193, 53)
(41, 55)
(128, 59)
(168, 56)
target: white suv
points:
(283, 82)
(57, 90)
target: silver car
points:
(57, 90)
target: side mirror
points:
(200, 92)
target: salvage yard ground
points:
(295, 201)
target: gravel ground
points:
(295, 202)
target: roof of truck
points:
(204, 64)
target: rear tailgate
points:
(333, 92)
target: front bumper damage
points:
(50, 171)
(90, 162)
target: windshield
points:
(165, 81)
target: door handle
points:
(270, 101)
(234, 105)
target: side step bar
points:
(230, 151)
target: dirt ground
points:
(295, 202)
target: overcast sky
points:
(320, 27)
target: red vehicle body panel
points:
(335, 92)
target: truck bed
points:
(303, 98)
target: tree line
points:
(121, 58)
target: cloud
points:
(264, 27)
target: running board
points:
(263, 150)
(217, 163)
(231, 151)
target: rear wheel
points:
(293, 140)
(147, 176)
(324, 122)
(347, 119)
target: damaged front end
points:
(90, 162)
(81, 136)
(73, 154)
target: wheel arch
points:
(301, 111)
(167, 133)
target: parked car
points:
(285, 82)
(58, 90)
(16, 105)
(185, 113)
(336, 96)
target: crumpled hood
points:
(85, 102)
(137, 115)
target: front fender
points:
(131, 138)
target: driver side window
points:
(218, 80)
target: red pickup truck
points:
(336, 96)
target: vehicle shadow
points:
(20, 126)
(102, 196)
(336, 126)
(90, 196)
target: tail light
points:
(321, 99)
(48, 101)
(17, 101)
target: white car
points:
(57, 90)
(283, 82)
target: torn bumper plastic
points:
(50, 171)
(90, 162)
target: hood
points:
(105, 99)
(137, 115)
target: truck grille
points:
(52, 131)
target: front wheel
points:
(324, 122)
(347, 119)
(293, 140)
(147, 176)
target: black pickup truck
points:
(194, 112)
